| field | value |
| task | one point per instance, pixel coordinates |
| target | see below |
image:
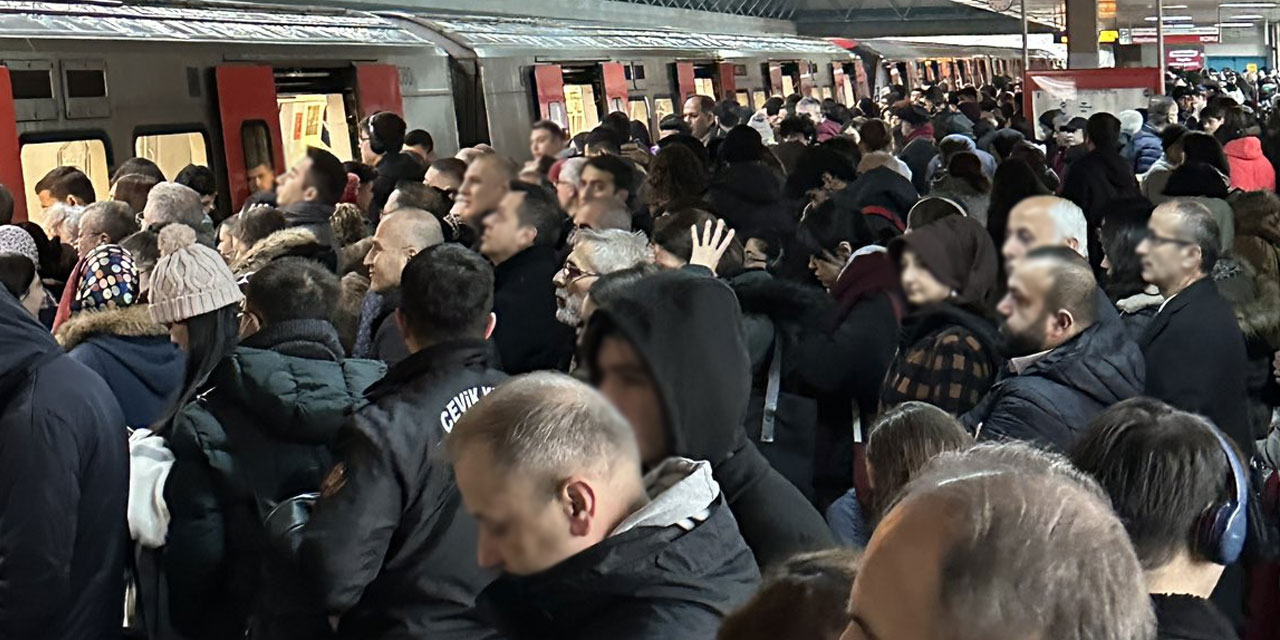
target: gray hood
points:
(681, 492)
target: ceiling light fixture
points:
(1169, 18)
(1233, 25)
(1249, 16)
(1248, 5)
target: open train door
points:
(10, 157)
(548, 80)
(615, 87)
(378, 89)
(685, 85)
(250, 124)
(726, 82)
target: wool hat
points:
(190, 279)
(109, 280)
(15, 239)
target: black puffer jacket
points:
(389, 547)
(391, 169)
(1052, 401)
(259, 434)
(688, 329)
(656, 579)
(64, 479)
(748, 195)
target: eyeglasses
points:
(1153, 238)
(575, 273)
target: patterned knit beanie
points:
(15, 239)
(109, 280)
(190, 279)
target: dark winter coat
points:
(652, 581)
(314, 217)
(881, 187)
(917, 155)
(964, 343)
(64, 479)
(1147, 149)
(260, 433)
(748, 195)
(389, 546)
(391, 169)
(378, 335)
(1137, 311)
(788, 154)
(1196, 359)
(299, 242)
(1256, 303)
(1052, 401)
(528, 335)
(688, 329)
(1257, 241)
(1184, 617)
(133, 355)
(1093, 182)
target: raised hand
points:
(710, 247)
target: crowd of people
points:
(921, 367)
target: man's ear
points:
(579, 502)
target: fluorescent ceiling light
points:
(1249, 16)
(1248, 5)
(1172, 6)
(1233, 25)
(1169, 18)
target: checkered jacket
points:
(949, 368)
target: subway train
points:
(243, 87)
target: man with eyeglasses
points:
(595, 253)
(1193, 347)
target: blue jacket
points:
(1147, 149)
(132, 354)
(1053, 399)
(64, 481)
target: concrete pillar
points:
(1082, 34)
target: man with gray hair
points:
(595, 253)
(106, 222)
(1002, 542)
(1194, 349)
(551, 472)
(172, 202)
(1050, 221)
(1065, 367)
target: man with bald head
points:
(1001, 542)
(401, 234)
(1066, 366)
(1050, 221)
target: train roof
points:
(503, 36)
(201, 22)
(897, 49)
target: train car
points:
(913, 63)
(245, 88)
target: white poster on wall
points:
(1056, 93)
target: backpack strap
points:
(774, 388)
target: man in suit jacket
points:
(1194, 349)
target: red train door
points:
(10, 157)
(378, 89)
(615, 87)
(775, 79)
(250, 124)
(548, 80)
(684, 81)
(728, 83)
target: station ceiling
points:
(875, 18)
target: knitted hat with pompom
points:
(190, 279)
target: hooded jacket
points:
(988, 161)
(688, 330)
(132, 354)
(391, 169)
(748, 195)
(1147, 149)
(917, 153)
(1051, 401)
(1093, 182)
(528, 335)
(673, 569)
(64, 479)
(300, 242)
(389, 547)
(313, 216)
(881, 187)
(1250, 169)
(258, 434)
(975, 203)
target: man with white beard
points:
(595, 253)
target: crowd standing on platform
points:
(927, 367)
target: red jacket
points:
(1250, 170)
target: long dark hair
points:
(211, 337)
(1015, 181)
(1124, 227)
(1198, 146)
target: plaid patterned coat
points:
(948, 358)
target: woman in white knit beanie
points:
(194, 294)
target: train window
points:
(662, 107)
(759, 98)
(38, 158)
(86, 83)
(32, 84)
(826, 93)
(788, 85)
(744, 99)
(638, 71)
(638, 109)
(172, 151)
(704, 87)
(584, 112)
(314, 120)
(255, 138)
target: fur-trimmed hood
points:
(781, 300)
(129, 322)
(1139, 301)
(1255, 299)
(299, 241)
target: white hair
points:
(1069, 223)
(63, 220)
(1130, 121)
(614, 249)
